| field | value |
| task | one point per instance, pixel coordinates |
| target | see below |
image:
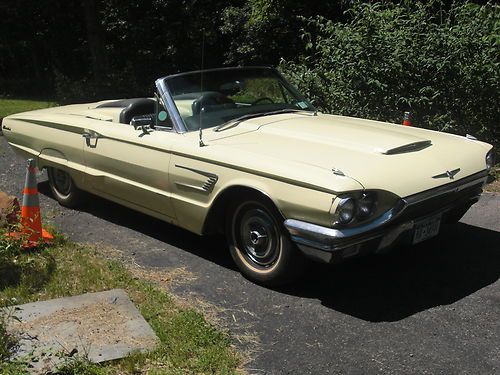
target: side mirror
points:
(142, 121)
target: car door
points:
(129, 166)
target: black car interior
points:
(131, 108)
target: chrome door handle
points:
(90, 135)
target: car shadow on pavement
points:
(381, 288)
(392, 287)
(211, 248)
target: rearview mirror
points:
(141, 121)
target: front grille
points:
(454, 194)
(440, 202)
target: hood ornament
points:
(449, 174)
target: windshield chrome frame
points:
(167, 98)
(169, 103)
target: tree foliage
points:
(361, 58)
(263, 31)
(389, 58)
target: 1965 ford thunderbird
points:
(241, 151)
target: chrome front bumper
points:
(329, 245)
(395, 226)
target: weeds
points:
(188, 343)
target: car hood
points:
(378, 155)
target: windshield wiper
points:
(235, 122)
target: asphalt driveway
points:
(431, 309)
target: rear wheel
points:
(260, 246)
(63, 188)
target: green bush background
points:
(389, 58)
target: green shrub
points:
(441, 64)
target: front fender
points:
(192, 200)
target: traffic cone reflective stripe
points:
(31, 220)
(30, 181)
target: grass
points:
(10, 106)
(188, 343)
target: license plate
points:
(427, 228)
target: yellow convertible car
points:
(241, 151)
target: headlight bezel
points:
(366, 205)
(343, 206)
(381, 202)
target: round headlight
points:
(490, 159)
(366, 206)
(346, 210)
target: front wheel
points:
(63, 188)
(260, 246)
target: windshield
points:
(214, 97)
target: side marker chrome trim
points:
(209, 184)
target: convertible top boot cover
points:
(131, 107)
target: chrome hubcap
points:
(259, 237)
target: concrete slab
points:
(98, 326)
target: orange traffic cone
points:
(407, 119)
(31, 222)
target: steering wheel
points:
(209, 99)
(265, 98)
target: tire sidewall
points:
(70, 199)
(284, 268)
